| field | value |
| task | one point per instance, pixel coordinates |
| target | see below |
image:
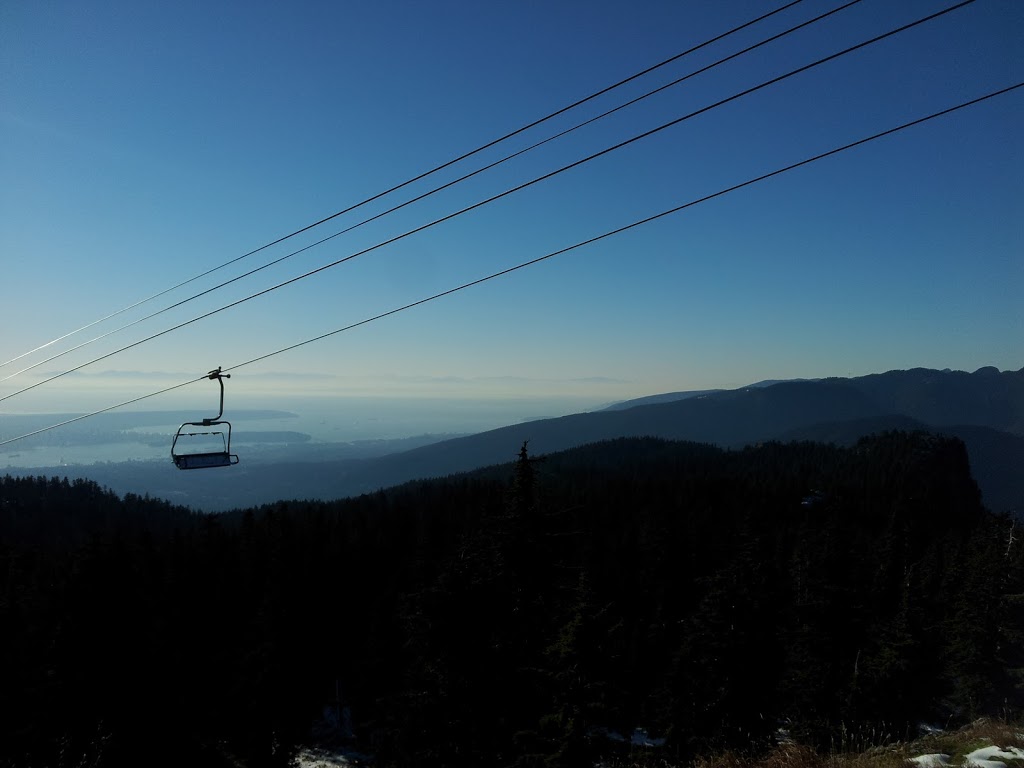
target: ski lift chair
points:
(207, 459)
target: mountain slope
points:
(986, 398)
(983, 408)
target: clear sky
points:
(142, 143)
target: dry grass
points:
(981, 733)
(874, 751)
(996, 732)
(800, 756)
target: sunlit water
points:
(323, 420)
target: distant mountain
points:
(773, 382)
(667, 397)
(730, 418)
(985, 409)
(987, 397)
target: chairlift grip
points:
(216, 374)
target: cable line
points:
(103, 410)
(552, 254)
(435, 190)
(420, 177)
(635, 224)
(498, 196)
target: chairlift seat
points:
(204, 460)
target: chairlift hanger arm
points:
(216, 374)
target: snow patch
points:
(639, 737)
(984, 757)
(320, 758)
(937, 760)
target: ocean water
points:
(325, 420)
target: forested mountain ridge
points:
(982, 408)
(988, 397)
(953, 402)
(514, 616)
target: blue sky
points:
(142, 143)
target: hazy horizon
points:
(323, 419)
(261, 423)
(148, 146)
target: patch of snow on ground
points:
(318, 758)
(937, 760)
(983, 758)
(640, 738)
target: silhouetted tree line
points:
(520, 615)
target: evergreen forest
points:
(536, 613)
